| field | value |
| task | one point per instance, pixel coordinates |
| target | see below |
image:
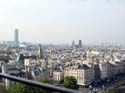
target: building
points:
(40, 53)
(58, 76)
(112, 69)
(120, 67)
(103, 70)
(51, 69)
(97, 72)
(115, 68)
(38, 73)
(16, 37)
(83, 74)
(44, 63)
(80, 43)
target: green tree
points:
(18, 88)
(22, 88)
(70, 82)
(47, 81)
(2, 89)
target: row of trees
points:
(22, 88)
(69, 82)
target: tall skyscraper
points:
(16, 37)
(40, 53)
(80, 43)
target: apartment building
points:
(83, 74)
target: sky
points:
(62, 21)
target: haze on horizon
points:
(61, 21)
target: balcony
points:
(48, 87)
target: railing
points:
(37, 84)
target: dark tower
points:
(40, 53)
(80, 43)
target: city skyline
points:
(61, 22)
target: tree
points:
(18, 88)
(22, 88)
(2, 89)
(70, 82)
(47, 81)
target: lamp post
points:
(91, 88)
(103, 88)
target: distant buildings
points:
(79, 45)
(89, 65)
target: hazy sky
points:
(61, 21)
